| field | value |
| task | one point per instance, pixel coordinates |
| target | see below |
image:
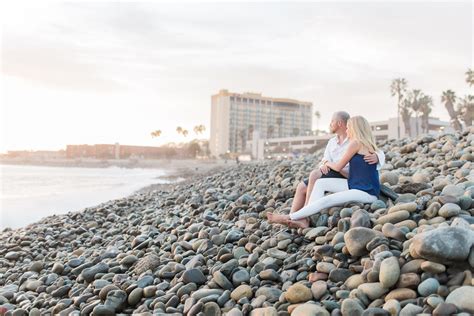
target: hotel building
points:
(236, 118)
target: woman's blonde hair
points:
(360, 131)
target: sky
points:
(87, 72)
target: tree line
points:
(415, 101)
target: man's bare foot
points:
(300, 223)
(278, 219)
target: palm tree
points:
(466, 110)
(415, 96)
(270, 131)
(185, 132)
(279, 122)
(199, 129)
(426, 103)
(318, 116)
(179, 130)
(405, 113)
(156, 133)
(470, 77)
(398, 88)
(448, 98)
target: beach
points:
(204, 247)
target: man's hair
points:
(343, 116)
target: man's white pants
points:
(318, 201)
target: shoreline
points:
(106, 163)
(173, 174)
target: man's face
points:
(333, 126)
(336, 125)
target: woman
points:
(362, 185)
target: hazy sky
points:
(105, 72)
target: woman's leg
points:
(335, 199)
(313, 177)
(327, 185)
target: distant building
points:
(388, 129)
(113, 151)
(236, 116)
(37, 155)
(262, 148)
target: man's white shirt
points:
(334, 152)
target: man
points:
(334, 151)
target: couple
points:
(349, 169)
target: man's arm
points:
(378, 158)
(352, 149)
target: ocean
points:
(29, 193)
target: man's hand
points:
(371, 158)
(324, 169)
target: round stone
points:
(222, 280)
(443, 309)
(240, 276)
(401, 295)
(452, 190)
(298, 293)
(135, 296)
(357, 238)
(351, 307)
(194, 276)
(310, 310)
(269, 274)
(389, 272)
(462, 297)
(442, 244)
(373, 290)
(393, 307)
(390, 177)
(449, 210)
(58, 268)
(319, 288)
(325, 267)
(241, 291)
(428, 287)
(433, 267)
(36, 266)
(211, 309)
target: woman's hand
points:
(324, 168)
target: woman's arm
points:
(352, 149)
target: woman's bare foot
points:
(300, 223)
(278, 219)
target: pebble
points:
(298, 293)
(389, 272)
(309, 310)
(449, 210)
(241, 291)
(204, 246)
(462, 298)
(428, 287)
(351, 307)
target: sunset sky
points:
(104, 72)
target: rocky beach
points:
(204, 246)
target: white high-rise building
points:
(235, 117)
